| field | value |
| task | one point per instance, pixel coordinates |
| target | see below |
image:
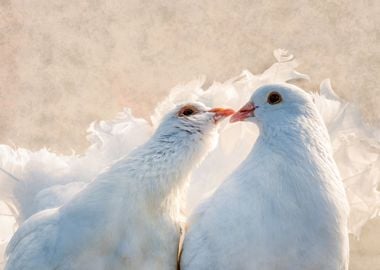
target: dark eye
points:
(274, 98)
(187, 110)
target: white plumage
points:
(129, 216)
(285, 206)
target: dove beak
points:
(221, 113)
(248, 110)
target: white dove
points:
(285, 206)
(129, 216)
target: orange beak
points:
(248, 110)
(221, 113)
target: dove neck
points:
(162, 166)
(297, 163)
(301, 144)
(296, 136)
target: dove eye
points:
(274, 98)
(187, 111)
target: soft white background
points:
(66, 63)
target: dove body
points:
(129, 216)
(285, 206)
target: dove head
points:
(191, 127)
(276, 105)
(191, 121)
(183, 138)
(288, 120)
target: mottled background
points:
(66, 63)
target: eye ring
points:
(274, 98)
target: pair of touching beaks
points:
(246, 111)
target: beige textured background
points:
(66, 63)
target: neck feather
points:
(162, 166)
(301, 147)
